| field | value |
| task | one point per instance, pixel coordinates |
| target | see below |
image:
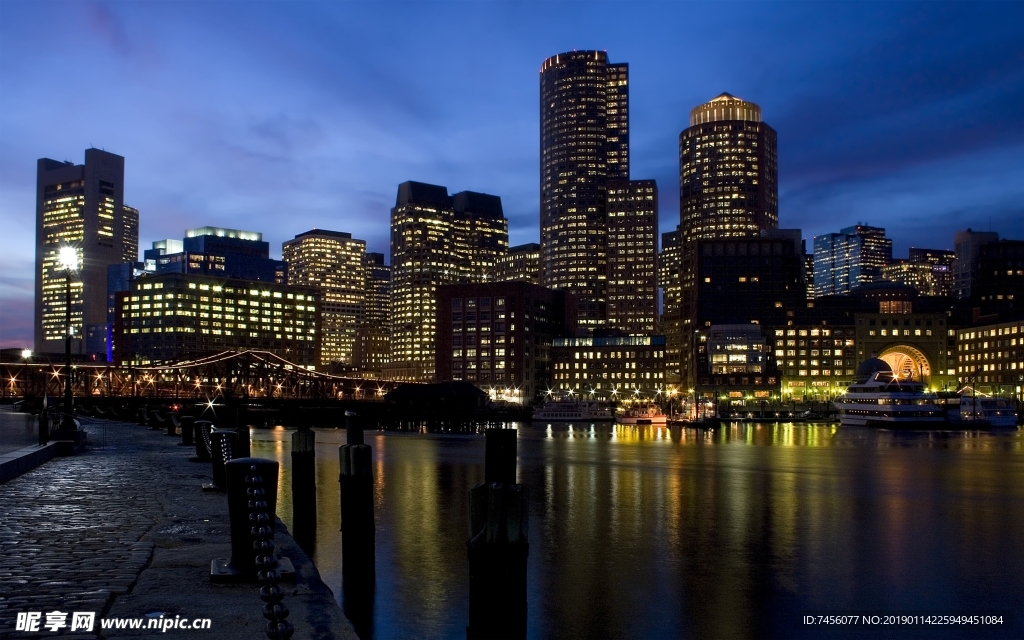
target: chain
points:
(205, 431)
(274, 610)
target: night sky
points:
(281, 117)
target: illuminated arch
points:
(907, 362)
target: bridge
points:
(233, 374)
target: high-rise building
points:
(846, 260)
(728, 171)
(82, 207)
(215, 251)
(373, 337)
(670, 264)
(333, 262)
(632, 290)
(521, 263)
(435, 239)
(929, 271)
(584, 142)
(966, 245)
(998, 286)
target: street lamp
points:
(69, 263)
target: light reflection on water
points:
(655, 532)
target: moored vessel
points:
(879, 398)
(642, 414)
(569, 410)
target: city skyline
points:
(892, 152)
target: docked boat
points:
(982, 411)
(643, 415)
(568, 410)
(879, 398)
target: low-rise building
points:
(736, 362)
(990, 358)
(609, 367)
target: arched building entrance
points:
(907, 362)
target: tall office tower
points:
(481, 233)
(728, 171)
(435, 239)
(331, 261)
(373, 336)
(584, 142)
(966, 245)
(846, 260)
(80, 206)
(633, 256)
(670, 264)
(999, 279)
(521, 263)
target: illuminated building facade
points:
(990, 358)
(966, 245)
(670, 264)
(928, 278)
(522, 262)
(81, 206)
(816, 361)
(728, 171)
(609, 367)
(499, 336)
(584, 142)
(175, 316)
(435, 239)
(846, 260)
(334, 263)
(372, 350)
(736, 364)
(215, 251)
(632, 286)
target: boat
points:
(643, 415)
(568, 410)
(981, 411)
(880, 398)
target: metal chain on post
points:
(205, 430)
(274, 610)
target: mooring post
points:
(304, 488)
(222, 447)
(172, 424)
(358, 547)
(203, 444)
(241, 567)
(498, 545)
(241, 426)
(188, 426)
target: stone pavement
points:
(123, 530)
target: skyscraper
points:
(584, 142)
(633, 256)
(372, 350)
(521, 263)
(967, 245)
(435, 239)
(333, 262)
(846, 260)
(82, 207)
(728, 171)
(670, 264)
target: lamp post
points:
(68, 262)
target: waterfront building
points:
(728, 171)
(739, 281)
(169, 317)
(632, 285)
(334, 263)
(521, 262)
(435, 239)
(816, 362)
(498, 335)
(609, 367)
(848, 259)
(736, 364)
(372, 350)
(670, 264)
(990, 358)
(584, 142)
(82, 207)
(966, 246)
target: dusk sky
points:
(282, 117)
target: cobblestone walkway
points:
(70, 530)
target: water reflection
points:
(640, 531)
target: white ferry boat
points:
(573, 411)
(879, 398)
(981, 411)
(642, 415)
